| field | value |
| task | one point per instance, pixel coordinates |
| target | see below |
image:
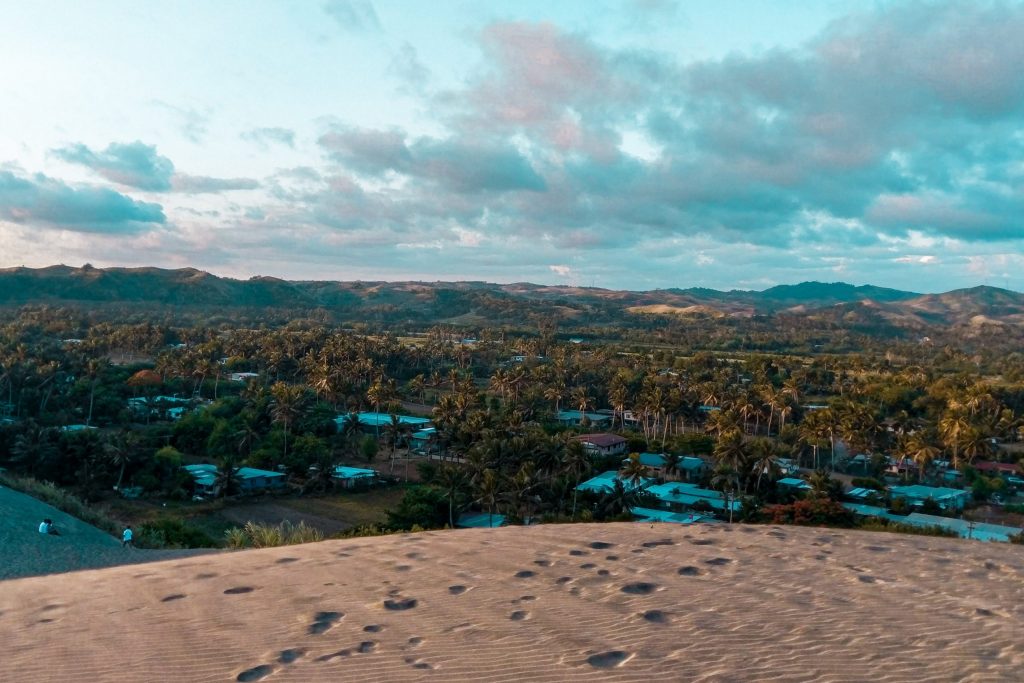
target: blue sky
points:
(619, 143)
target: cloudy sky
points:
(619, 143)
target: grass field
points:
(331, 513)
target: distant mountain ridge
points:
(472, 302)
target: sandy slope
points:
(25, 552)
(622, 602)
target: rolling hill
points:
(837, 303)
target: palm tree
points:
(289, 403)
(766, 460)
(489, 491)
(823, 485)
(582, 400)
(634, 471)
(453, 481)
(920, 449)
(731, 450)
(952, 428)
(974, 443)
(247, 432)
(620, 499)
(227, 480)
(94, 368)
(726, 480)
(392, 434)
(671, 464)
(121, 451)
(417, 386)
(577, 463)
(554, 393)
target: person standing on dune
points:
(126, 537)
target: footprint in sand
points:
(238, 590)
(639, 588)
(400, 605)
(562, 580)
(205, 576)
(417, 663)
(702, 541)
(323, 621)
(287, 560)
(612, 558)
(402, 567)
(366, 647)
(415, 641)
(542, 563)
(373, 628)
(525, 574)
(172, 598)
(603, 572)
(457, 590)
(607, 660)
(334, 655)
(578, 553)
(718, 561)
(655, 544)
(290, 655)
(519, 615)
(601, 545)
(588, 565)
(863, 578)
(255, 673)
(655, 616)
(688, 571)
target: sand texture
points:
(26, 552)
(615, 602)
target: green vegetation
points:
(149, 392)
(255, 535)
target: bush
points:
(810, 512)
(174, 533)
(256, 535)
(425, 506)
(867, 483)
(880, 524)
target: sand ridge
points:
(26, 552)
(615, 602)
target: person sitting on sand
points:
(47, 527)
(126, 537)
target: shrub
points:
(174, 533)
(810, 512)
(257, 535)
(867, 483)
(880, 524)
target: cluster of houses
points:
(164, 407)
(207, 479)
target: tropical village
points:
(210, 437)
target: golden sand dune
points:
(617, 602)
